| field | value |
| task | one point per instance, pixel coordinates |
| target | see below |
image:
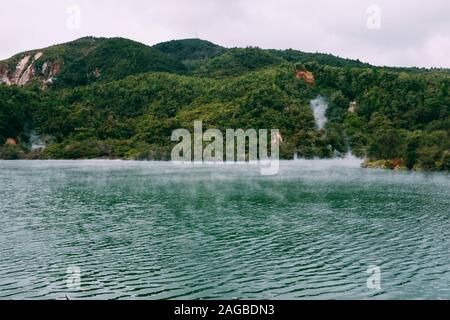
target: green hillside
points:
(89, 60)
(396, 117)
(115, 59)
(190, 49)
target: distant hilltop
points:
(90, 59)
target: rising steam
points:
(319, 106)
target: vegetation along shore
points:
(119, 99)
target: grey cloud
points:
(413, 33)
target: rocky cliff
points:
(85, 61)
(30, 66)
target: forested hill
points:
(116, 98)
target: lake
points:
(155, 230)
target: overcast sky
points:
(382, 32)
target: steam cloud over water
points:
(319, 107)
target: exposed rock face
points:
(50, 70)
(11, 142)
(56, 69)
(26, 70)
(4, 75)
(44, 67)
(352, 107)
(26, 76)
(307, 76)
(20, 68)
(38, 55)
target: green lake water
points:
(154, 230)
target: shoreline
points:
(385, 165)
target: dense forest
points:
(116, 98)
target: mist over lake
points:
(155, 230)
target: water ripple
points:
(158, 231)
